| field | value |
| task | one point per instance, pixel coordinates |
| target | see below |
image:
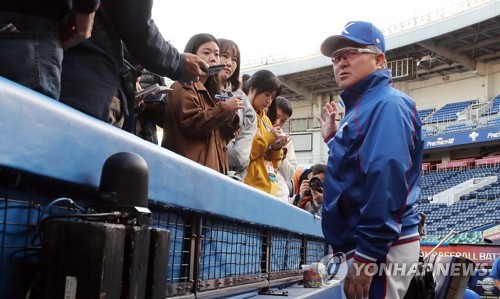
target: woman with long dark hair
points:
(238, 150)
(197, 125)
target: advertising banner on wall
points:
(483, 285)
(484, 256)
(460, 138)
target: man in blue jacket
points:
(374, 167)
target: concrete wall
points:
(433, 93)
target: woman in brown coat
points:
(198, 126)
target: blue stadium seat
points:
(495, 108)
(449, 111)
(456, 127)
(424, 113)
(473, 210)
(493, 122)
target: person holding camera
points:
(310, 196)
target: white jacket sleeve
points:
(238, 150)
(289, 164)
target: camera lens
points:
(316, 184)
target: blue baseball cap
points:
(357, 33)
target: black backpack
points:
(423, 284)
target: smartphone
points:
(221, 97)
(151, 89)
(163, 90)
(215, 69)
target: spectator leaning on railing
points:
(266, 154)
(238, 149)
(197, 125)
(288, 165)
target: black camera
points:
(316, 184)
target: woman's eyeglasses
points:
(348, 53)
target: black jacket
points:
(52, 9)
(91, 69)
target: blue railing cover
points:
(50, 139)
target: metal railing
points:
(206, 253)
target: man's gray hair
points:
(377, 49)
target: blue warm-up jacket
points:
(373, 171)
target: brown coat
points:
(197, 127)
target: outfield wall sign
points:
(461, 138)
